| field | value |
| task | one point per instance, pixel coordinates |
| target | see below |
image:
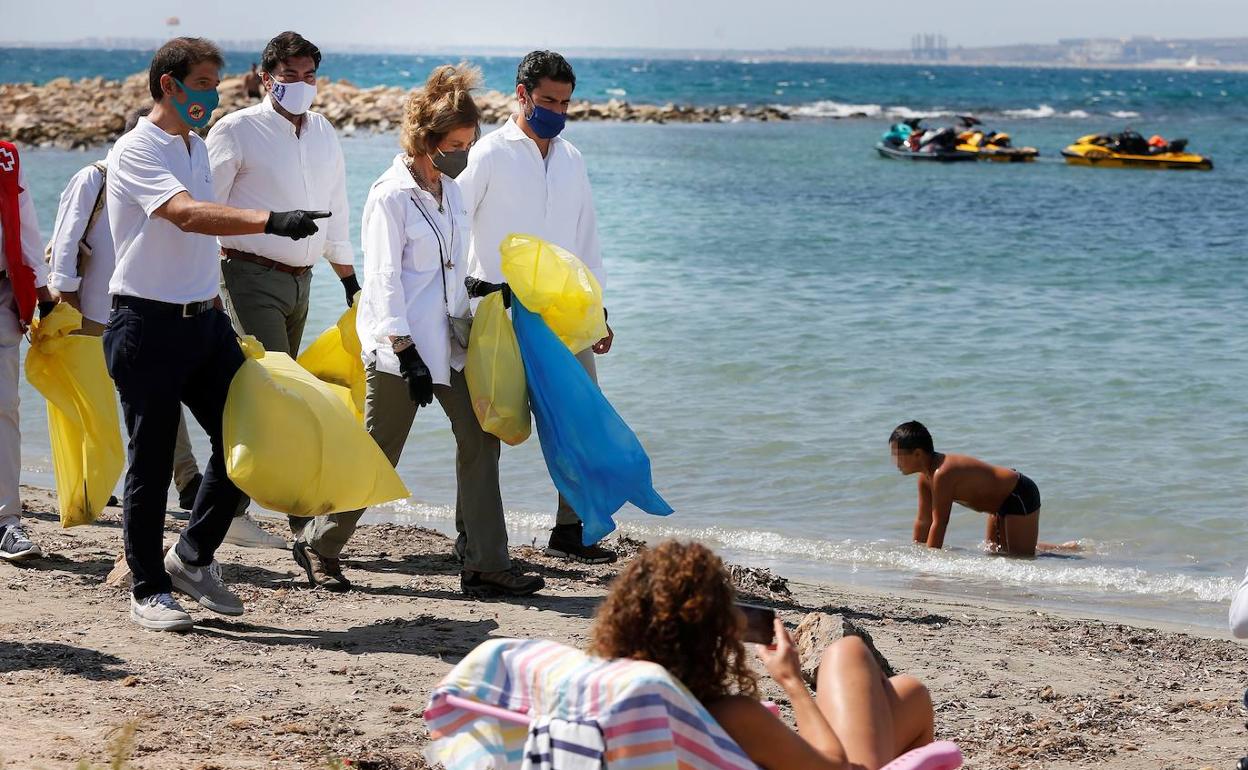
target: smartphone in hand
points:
(760, 623)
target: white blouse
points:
(412, 252)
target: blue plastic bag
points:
(593, 457)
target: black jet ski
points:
(908, 140)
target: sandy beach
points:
(310, 679)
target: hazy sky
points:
(632, 23)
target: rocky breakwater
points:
(64, 113)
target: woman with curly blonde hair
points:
(411, 323)
(674, 605)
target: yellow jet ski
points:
(1131, 150)
(993, 146)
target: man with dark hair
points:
(23, 287)
(167, 341)
(279, 154)
(525, 178)
(82, 257)
(1011, 500)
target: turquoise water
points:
(817, 88)
(782, 298)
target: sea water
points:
(782, 298)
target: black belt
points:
(188, 310)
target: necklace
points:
(433, 188)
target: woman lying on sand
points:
(674, 605)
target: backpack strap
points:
(84, 248)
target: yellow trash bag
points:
(87, 455)
(495, 373)
(335, 358)
(556, 285)
(294, 447)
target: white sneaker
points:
(160, 612)
(245, 532)
(203, 584)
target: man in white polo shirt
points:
(525, 178)
(81, 257)
(279, 154)
(167, 341)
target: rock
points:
(119, 577)
(818, 630)
(759, 580)
(53, 113)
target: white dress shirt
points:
(32, 242)
(77, 202)
(156, 260)
(258, 162)
(509, 188)
(403, 272)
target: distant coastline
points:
(1198, 55)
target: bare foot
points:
(1070, 546)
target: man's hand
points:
(69, 298)
(479, 288)
(602, 346)
(46, 299)
(350, 285)
(294, 224)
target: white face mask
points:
(294, 97)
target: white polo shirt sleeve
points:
(383, 239)
(77, 202)
(141, 175)
(338, 227)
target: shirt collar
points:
(155, 131)
(398, 169)
(512, 131)
(271, 114)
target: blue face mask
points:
(198, 107)
(546, 123)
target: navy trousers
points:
(159, 360)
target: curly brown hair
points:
(673, 605)
(442, 105)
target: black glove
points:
(351, 286)
(479, 288)
(416, 374)
(46, 307)
(293, 224)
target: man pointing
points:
(167, 342)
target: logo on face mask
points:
(295, 97)
(198, 107)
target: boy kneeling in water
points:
(1011, 500)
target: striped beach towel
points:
(648, 720)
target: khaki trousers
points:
(271, 306)
(388, 416)
(564, 513)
